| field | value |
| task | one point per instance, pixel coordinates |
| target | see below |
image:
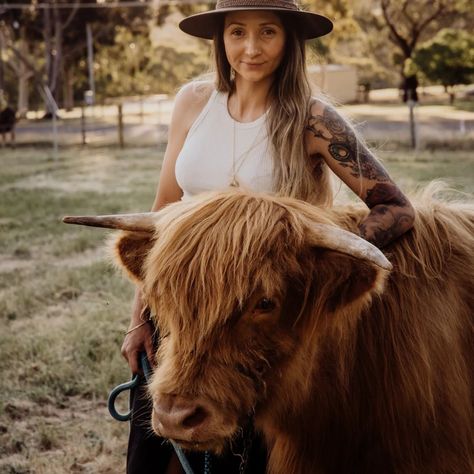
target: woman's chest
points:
(219, 153)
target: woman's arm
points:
(188, 104)
(330, 137)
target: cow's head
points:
(245, 289)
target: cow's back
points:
(411, 382)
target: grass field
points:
(63, 308)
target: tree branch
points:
(435, 15)
(395, 35)
(33, 72)
(416, 33)
(406, 14)
(72, 14)
(16, 69)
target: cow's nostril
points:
(195, 418)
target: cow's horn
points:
(144, 222)
(346, 242)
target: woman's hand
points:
(138, 340)
(139, 337)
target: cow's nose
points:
(179, 417)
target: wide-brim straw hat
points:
(204, 25)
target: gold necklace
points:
(235, 169)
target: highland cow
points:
(270, 308)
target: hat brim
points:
(204, 25)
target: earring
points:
(232, 74)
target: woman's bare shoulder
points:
(191, 99)
(318, 105)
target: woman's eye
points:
(237, 32)
(265, 305)
(269, 32)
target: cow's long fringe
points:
(267, 233)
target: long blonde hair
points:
(294, 174)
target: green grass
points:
(63, 308)
(411, 170)
(464, 104)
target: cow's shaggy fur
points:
(346, 374)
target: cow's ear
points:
(131, 249)
(342, 279)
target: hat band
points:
(263, 4)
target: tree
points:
(48, 41)
(134, 64)
(410, 22)
(104, 24)
(329, 48)
(447, 59)
(371, 49)
(20, 40)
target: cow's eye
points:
(265, 305)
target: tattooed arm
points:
(331, 138)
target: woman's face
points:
(254, 43)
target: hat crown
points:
(286, 4)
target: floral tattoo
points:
(344, 147)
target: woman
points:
(259, 127)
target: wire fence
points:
(144, 121)
(139, 121)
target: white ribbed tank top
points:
(205, 162)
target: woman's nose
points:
(252, 47)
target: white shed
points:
(337, 80)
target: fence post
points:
(83, 126)
(413, 128)
(141, 109)
(120, 126)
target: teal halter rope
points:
(127, 416)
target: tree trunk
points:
(23, 78)
(452, 96)
(68, 89)
(47, 52)
(2, 70)
(47, 41)
(57, 53)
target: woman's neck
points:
(249, 100)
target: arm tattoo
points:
(344, 146)
(387, 193)
(390, 215)
(390, 212)
(316, 164)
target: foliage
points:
(135, 65)
(406, 23)
(56, 39)
(345, 28)
(129, 60)
(448, 58)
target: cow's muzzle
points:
(193, 423)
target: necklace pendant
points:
(234, 183)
